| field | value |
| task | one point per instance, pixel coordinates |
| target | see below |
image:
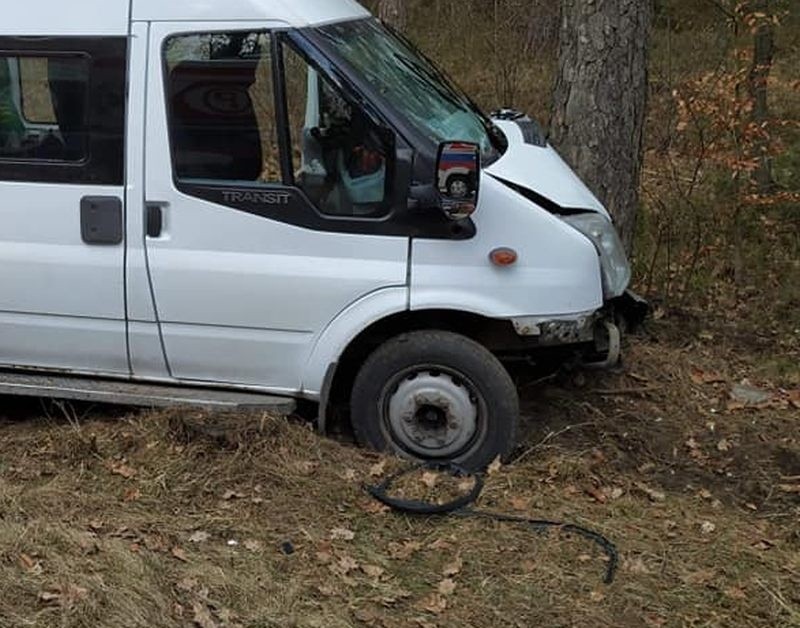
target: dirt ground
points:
(688, 458)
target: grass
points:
(148, 520)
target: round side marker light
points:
(503, 257)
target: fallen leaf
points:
(465, 485)
(653, 494)
(349, 475)
(704, 493)
(374, 507)
(202, 616)
(597, 596)
(793, 489)
(403, 551)
(764, 545)
(520, 503)
(324, 557)
(226, 615)
(495, 467)
(616, 493)
(447, 586)
(199, 537)
(131, 495)
(178, 553)
(429, 479)
(367, 616)
(347, 564)
(66, 596)
(707, 527)
(378, 469)
(435, 603)
(703, 576)
(736, 593)
(342, 534)
(699, 376)
(453, 568)
(724, 445)
(636, 566)
(597, 495)
(229, 495)
(187, 584)
(118, 467)
(373, 571)
(253, 545)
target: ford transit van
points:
(245, 202)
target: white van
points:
(245, 202)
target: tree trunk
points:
(763, 53)
(600, 99)
(393, 12)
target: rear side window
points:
(62, 110)
(221, 104)
(43, 108)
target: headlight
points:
(614, 262)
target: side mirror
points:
(458, 178)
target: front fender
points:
(345, 328)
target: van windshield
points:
(413, 85)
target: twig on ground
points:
(550, 436)
(642, 390)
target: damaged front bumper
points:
(599, 332)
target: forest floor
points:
(688, 458)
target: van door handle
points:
(155, 220)
(101, 220)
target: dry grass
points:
(125, 522)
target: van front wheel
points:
(436, 396)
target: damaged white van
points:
(249, 202)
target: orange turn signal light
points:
(503, 257)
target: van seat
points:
(214, 128)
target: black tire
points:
(468, 365)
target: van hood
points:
(532, 164)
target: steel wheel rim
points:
(432, 412)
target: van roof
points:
(112, 17)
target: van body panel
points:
(295, 13)
(558, 271)
(84, 18)
(542, 170)
(342, 330)
(62, 302)
(147, 357)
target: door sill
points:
(119, 392)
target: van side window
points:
(221, 107)
(62, 109)
(340, 158)
(43, 108)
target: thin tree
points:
(393, 12)
(761, 17)
(600, 99)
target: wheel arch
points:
(342, 369)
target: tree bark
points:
(393, 12)
(763, 54)
(600, 99)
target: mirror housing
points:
(458, 178)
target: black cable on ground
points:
(460, 507)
